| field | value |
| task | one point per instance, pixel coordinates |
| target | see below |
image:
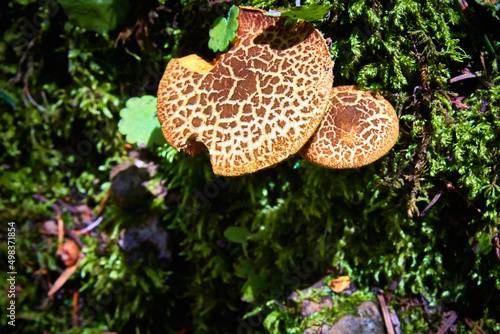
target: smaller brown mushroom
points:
(357, 129)
(70, 253)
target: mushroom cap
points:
(357, 129)
(256, 104)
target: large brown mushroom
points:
(256, 104)
(357, 129)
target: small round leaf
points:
(224, 30)
(139, 122)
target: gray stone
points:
(369, 321)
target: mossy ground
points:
(420, 223)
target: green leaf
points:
(97, 15)
(312, 12)
(272, 320)
(237, 234)
(483, 243)
(224, 30)
(139, 122)
(9, 98)
(153, 275)
(254, 285)
(243, 269)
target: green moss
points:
(283, 319)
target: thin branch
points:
(448, 323)
(385, 313)
(434, 200)
(89, 228)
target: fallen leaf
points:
(339, 284)
(458, 102)
(65, 275)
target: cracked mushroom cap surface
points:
(357, 129)
(256, 104)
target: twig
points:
(18, 75)
(281, 305)
(68, 207)
(447, 323)
(32, 100)
(472, 325)
(65, 275)
(103, 202)
(451, 187)
(385, 313)
(434, 200)
(76, 321)
(89, 228)
(468, 75)
(60, 234)
(44, 199)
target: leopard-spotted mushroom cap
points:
(256, 104)
(357, 129)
